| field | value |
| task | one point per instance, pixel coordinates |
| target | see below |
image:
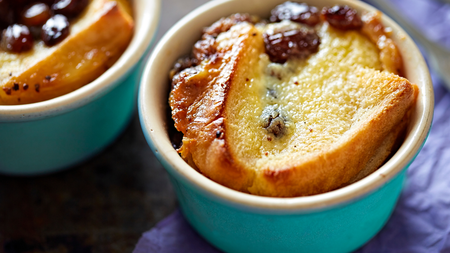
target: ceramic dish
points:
(337, 221)
(61, 132)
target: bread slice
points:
(300, 128)
(97, 39)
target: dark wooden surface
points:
(102, 205)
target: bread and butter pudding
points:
(303, 103)
(52, 47)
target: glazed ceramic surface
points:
(336, 221)
(58, 133)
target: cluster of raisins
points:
(281, 44)
(304, 41)
(299, 43)
(23, 21)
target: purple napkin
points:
(421, 219)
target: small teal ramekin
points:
(58, 133)
(337, 221)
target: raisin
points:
(36, 14)
(273, 121)
(69, 8)
(224, 24)
(17, 38)
(297, 12)
(55, 30)
(298, 43)
(342, 17)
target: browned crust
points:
(201, 118)
(390, 57)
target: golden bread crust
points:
(389, 55)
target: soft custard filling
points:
(303, 105)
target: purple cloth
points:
(421, 219)
(173, 234)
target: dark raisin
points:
(218, 134)
(55, 30)
(342, 17)
(293, 43)
(224, 24)
(273, 121)
(204, 48)
(6, 14)
(48, 78)
(69, 8)
(16, 86)
(37, 87)
(17, 38)
(298, 12)
(36, 14)
(25, 86)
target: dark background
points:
(102, 205)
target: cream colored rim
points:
(152, 116)
(146, 15)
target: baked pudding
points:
(303, 103)
(52, 47)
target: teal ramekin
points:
(58, 133)
(337, 221)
